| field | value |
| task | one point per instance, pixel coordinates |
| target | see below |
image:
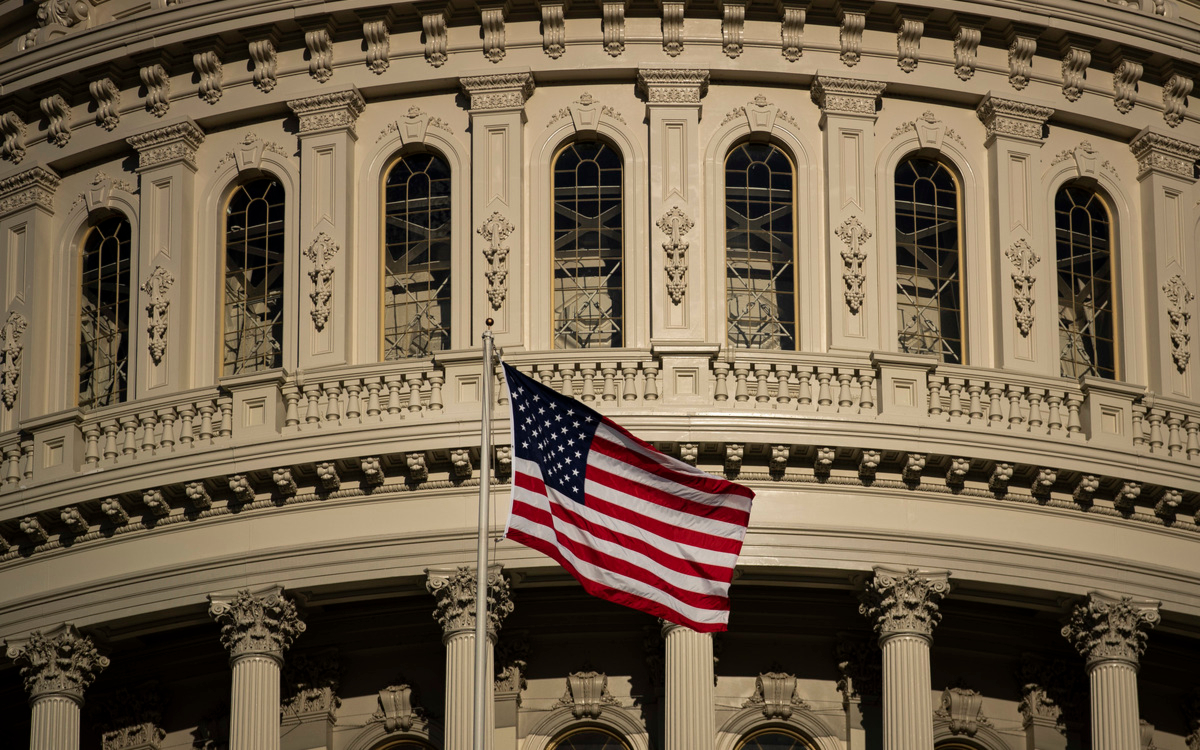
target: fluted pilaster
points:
(255, 702)
(57, 668)
(690, 720)
(55, 724)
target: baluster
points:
(225, 404)
(1074, 401)
(589, 382)
(845, 400)
(630, 370)
(955, 387)
(1015, 417)
(741, 371)
(976, 408)
(1155, 417)
(804, 393)
(187, 414)
(206, 421)
(436, 379)
(394, 383)
(1055, 422)
(149, 433)
(610, 388)
(312, 394)
(1035, 408)
(568, 380)
(291, 412)
(129, 424)
(91, 435)
(373, 387)
(1175, 436)
(353, 400)
(1193, 437)
(1138, 412)
(651, 372)
(824, 396)
(414, 391)
(995, 410)
(12, 471)
(935, 395)
(866, 400)
(545, 374)
(110, 439)
(333, 401)
(783, 384)
(721, 387)
(27, 459)
(762, 391)
(166, 417)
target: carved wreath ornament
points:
(321, 253)
(675, 224)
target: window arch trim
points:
(803, 722)
(559, 721)
(96, 220)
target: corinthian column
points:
(455, 612)
(690, 718)
(57, 667)
(903, 605)
(256, 628)
(1110, 633)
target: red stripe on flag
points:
(629, 486)
(699, 480)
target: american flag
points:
(633, 525)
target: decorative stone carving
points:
(434, 26)
(497, 92)
(1012, 118)
(398, 710)
(613, 23)
(327, 476)
(1023, 258)
(512, 654)
(197, 495)
(775, 694)
(962, 709)
(861, 665)
(131, 719)
(208, 67)
(689, 452)
(908, 43)
(492, 19)
(823, 460)
(1179, 300)
(673, 85)
(495, 231)
(31, 528)
(1106, 628)
(241, 488)
(58, 119)
(12, 129)
(372, 469)
(262, 53)
(587, 694)
(1125, 498)
(846, 96)
(74, 520)
(733, 26)
(460, 460)
(1163, 154)
(675, 224)
(966, 51)
(337, 110)
(503, 461)
(158, 89)
(309, 684)
(1085, 489)
(263, 623)
(850, 33)
(904, 601)
(1047, 690)
(1175, 94)
(914, 464)
(779, 457)
(854, 235)
(956, 475)
(11, 335)
(155, 288)
(672, 27)
(55, 17)
(319, 46)
(1191, 709)
(734, 453)
(107, 97)
(1002, 474)
(1044, 482)
(60, 662)
(868, 464)
(1074, 70)
(1168, 503)
(455, 593)
(379, 40)
(554, 30)
(418, 470)
(320, 254)
(115, 511)
(173, 143)
(33, 187)
(791, 31)
(1125, 84)
(585, 113)
(156, 503)
(414, 126)
(930, 131)
(284, 482)
(1020, 60)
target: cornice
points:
(673, 85)
(176, 143)
(498, 91)
(1012, 118)
(846, 96)
(33, 187)
(328, 112)
(1161, 154)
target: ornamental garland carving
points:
(760, 114)
(249, 153)
(584, 113)
(675, 224)
(321, 253)
(587, 694)
(11, 335)
(58, 119)
(157, 306)
(208, 67)
(413, 128)
(613, 23)
(791, 32)
(1074, 70)
(854, 235)
(107, 97)
(455, 593)
(158, 89)
(495, 230)
(62, 662)
(379, 40)
(1023, 258)
(904, 601)
(263, 624)
(1105, 628)
(775, 695)
(929, 129)
(434, 26)
(1179, 299)
(12, 128)
(966, 51)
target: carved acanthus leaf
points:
(495, 231)
(11, 335)
(320, 254)
(587, 694)
(1179, 313)
(1021, 254)
(61, 661)
(854, 235)
(158, 304)
(1106, 628)
(455, 593)
(261, 623)
(904, 601)
(675, 224)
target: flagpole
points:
(485, 486)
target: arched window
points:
(929, 306)
(403, 744)
(589, 738)
(254, 275)
(760, 249)
(1086, 319)
(589, 286)
(416, 257)
(104, 314)
(775, 739)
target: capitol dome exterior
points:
(922, 275)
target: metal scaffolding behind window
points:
(928, 277)
(416, 278)
(1086, 323)
(254, 274)
(104, 314)
(589, 294)
(589, 738)
(760, 250)
(775, 739)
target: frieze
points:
(1013, 118)
(1106, 628)
(673, 85)
(61, 662)
(497, 92)
(1165, 155)
(846, 96)
(33, 187)
(262, 623)
(338, 110)
(904, 601)
(170, 144)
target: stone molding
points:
(455, 593)
(1106, 628)
(852, 97)
(33, 187)
(262, 623)
(60, 662)
(511, 661)
(326, 113)
(498, 92)
(673, 85)
(309, 685)
(1162, 154)
(1015, 119)
(904, 601)
(168, 145)
(131, 719)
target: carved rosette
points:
(904, 602)
(11, 334)
(587, 694)
(455, 593)
(1023, 258)
(1106, 628)
(854, 235)
(675, 224)
(1179, 300)
(260, 624)
(157, 306)
(61, 662)
(495, 230)
(321, 254)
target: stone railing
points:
(349, 396)
(139, 430)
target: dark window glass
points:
(589, 739)
(1086, 322)
(774, 739)
(254, 242)
(104, 314)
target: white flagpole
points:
(485, 486)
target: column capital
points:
(1160, 153)
(673, 85)
(497, 92)
(173, 144)
(1014, 119)
(455, 593)
(262, 623)
(60, 662)
(1108, 628)
(330, 112)
(309, 686)
(33, 187)
(904, 601)
(852, 97)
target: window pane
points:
(416, 261)
(928, 282)
(588, 247)
(760, 252)
(774, 739)
(589, 739)
(1086, 319)
(104, 315)
(254, 242)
